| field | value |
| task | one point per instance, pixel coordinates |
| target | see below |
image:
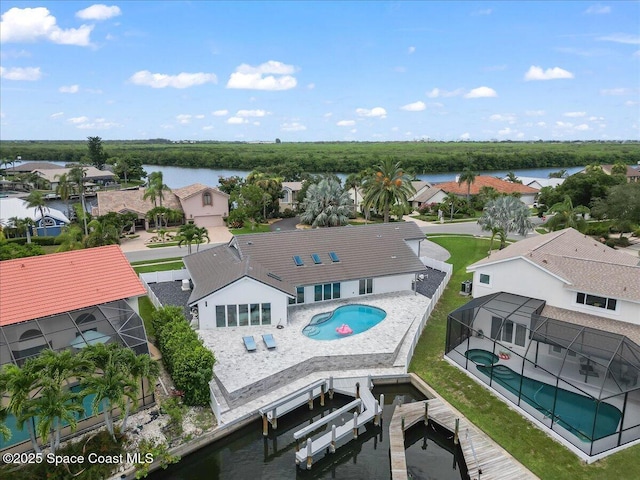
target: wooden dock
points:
(484, 458)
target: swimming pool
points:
(359, 318)
(584, 417)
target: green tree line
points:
(345, 157)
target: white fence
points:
(448, 270)
(160, 277)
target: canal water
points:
(246, 454)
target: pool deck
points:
(242, 377)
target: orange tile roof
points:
(486, 181)
(46, 285)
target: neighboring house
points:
(205, 206)
(290, 191)
(93, 176)
(67, 301)
(131, 201)
(633, 174)
(561, 314)
(538, 183)
(31, 166)
(254, 279)
(426, 195)
(54, 219)
(527, 194)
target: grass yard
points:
(146, 309)
(260, 228)
(531, 446)
(158, 267)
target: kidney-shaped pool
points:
(344, 321)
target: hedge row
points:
(37, 240)
(187, 360)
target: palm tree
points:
(512, 177)
(140, 367)
(36, 200)
(504, 215)
(187, 234)
(354, 181)
(70, 239)
(453, 203)
(19, 383)
(388, 185)
(112, 382)
(467, 176)
(64, 189)
(102, 233)
(78, 176)
(326, 204)
(566, 215)
(201, 234)
(156, 183)
(271, 186)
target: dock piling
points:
(311, 400)
(322, 388)
(265, 425)
(332, 448)
(456, 440)
(355, 424)
(426, 413)
(309, 454)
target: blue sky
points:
(320, 71)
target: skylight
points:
(316, 258)
(298, 260)
(334, 257)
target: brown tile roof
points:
(133, 201)
(364, 251)
(193, 189)
(31, 166)
(91, 173)
(631, 172)
(37, 287)
(586, 264)
(293, 186)
(486, 181)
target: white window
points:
(366, 286)
(207, 199)
(484, 278)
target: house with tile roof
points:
(290, 191)
(632, 174)
(53, 219)
(205, 206)
(527, 193)
(554, 329)
(93, 176)
(255, 279)
(68, 301)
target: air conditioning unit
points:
(465, 287)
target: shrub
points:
(597, 229)
(622, 242)
(610, 243)
(188, 361)
(287, 213)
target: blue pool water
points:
(360, 318)
(582, 416)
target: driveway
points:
(285, 224)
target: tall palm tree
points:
(201, 235)
(112, 381)
(388, 185)
(64, 189)
(156, 183)
(504, 215)
(78, 175)
(187, 234)
(269, 184)
(354, 181)
(566, 215)
(468, 176)
(326, 204)
(140, 367)
(36, 200)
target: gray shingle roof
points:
(585, 263)
(364, 251)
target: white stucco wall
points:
(206, 215)
(523, 278)
(244, 291)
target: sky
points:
(320, 71)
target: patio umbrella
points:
(91, 337)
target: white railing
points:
(448, 270)
(166, 276)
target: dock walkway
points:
(484, 458)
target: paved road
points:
(165, 252)
(471, 228)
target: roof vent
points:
(249, 242)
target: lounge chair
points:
(249, 343)
(269, 341)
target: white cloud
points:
(78, 120)
(616, 91)
(99, 12)
(541, 124)
(220, 113)
(436, 92)
(582, 127)
(311, 86)
(597, 10)
(377, 112)
(251, 113)
(56, 115)
(505, 131)
(328, 115)
(574, 114)
(411, 50)
(537, 73)
(626, 38)
(636, 53)
(29, 74)
(346, 123)
(183, 118)
(465, 136)
(97, 124)
(292, 127)
(414, 107)
(486, 11)
(271, 75)
(534, 113)
(481, 92)
(236, 120)
(34, 24)
(503, 117)
(161, 80)
(631, 103)
(564, 124)
(69, 89)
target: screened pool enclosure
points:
(575, 379)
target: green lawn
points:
(146, 309)
(150, 262)
(537, 451)
(260, 228)
(159, 267)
